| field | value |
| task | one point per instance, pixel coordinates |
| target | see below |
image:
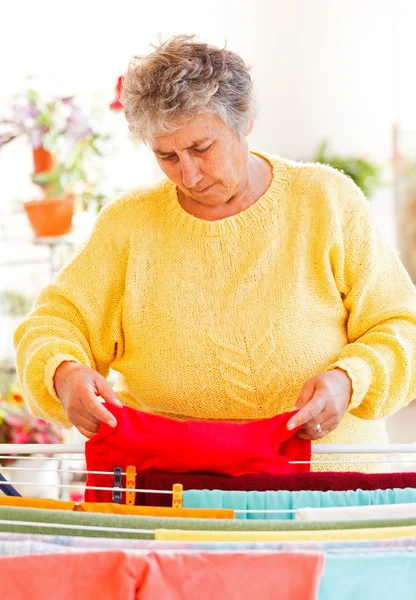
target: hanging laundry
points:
(348, 513)
(372, 533)
(121, 576)
(336, 481)
(289, 502)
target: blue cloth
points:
(286, 500)
(366, 577)
(7, 488)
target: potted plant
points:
(64, 144)
(363, 172)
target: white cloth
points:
(355, 513)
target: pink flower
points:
(116, 104)
(41, 437)
(14, 421)
(20, 437)
(18, 426)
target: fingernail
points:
(112, 422)
(291, 426)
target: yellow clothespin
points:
(177, 495)
(130, 484)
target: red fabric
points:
(337, 481)
(150, 441)
(153, 576)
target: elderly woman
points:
(240, 286)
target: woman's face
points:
(206, 160)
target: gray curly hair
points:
(182, 79)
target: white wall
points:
(336, 69)
(322, 68)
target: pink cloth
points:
(83, 576)
(116, 575)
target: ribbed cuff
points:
(360, 374)
(50, 370)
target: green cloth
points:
(44, 517)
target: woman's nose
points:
(191, 173)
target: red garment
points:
(150, 441)
(116, 575)
(337, 481)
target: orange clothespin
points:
(177, 495)
(130, 484)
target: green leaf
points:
(365, 174)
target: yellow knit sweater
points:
(228, 319)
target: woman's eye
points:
(168, 157)
(202, 150)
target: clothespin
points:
(177, 495)
(117, 484)
(131, 483)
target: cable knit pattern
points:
(227, 319)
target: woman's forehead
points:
(200, 130)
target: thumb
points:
(106, 392)
(306, 393)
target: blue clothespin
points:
(117, 484)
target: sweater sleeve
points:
(77, 317)
(380, 299)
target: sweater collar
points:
(257, 211)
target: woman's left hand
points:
(322, 403)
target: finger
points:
(310, 411)
(324, 417)
(78, 415)
(85, 421)
(313, 437)
(86, 432)
(106, 392)
(306, 394)
(96, 408)
(311, 433)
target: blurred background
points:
(334, 80)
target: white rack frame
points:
(316, 449)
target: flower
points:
(73, 138)
(18, 426)
(30, 116)
(116, 104)
(14, 396)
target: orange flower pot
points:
(43, 160)
(50, 216)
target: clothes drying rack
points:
(32, 451)
(81, 536)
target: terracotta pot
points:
(50, 216)
(43, 160)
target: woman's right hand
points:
(79, 387)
